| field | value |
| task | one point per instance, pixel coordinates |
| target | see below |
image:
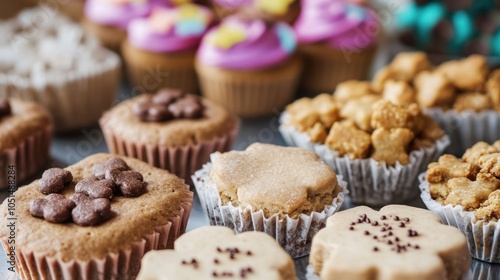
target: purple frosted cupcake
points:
(108, 19)
(165, 44)
(249, 66)
(337, 41)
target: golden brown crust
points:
(278, 180)
(122, 122)
(27, 119)
(133, 217)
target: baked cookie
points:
(266, 187)
(397, 242)
(216, 252)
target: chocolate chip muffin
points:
(25, 135)
(171, 130)
(94, 220)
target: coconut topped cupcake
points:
(20, 120)
(170, 29)
(247, 44)
(216, 252)
(472, 182)
(339, 24)
(276, 180)
(397, 242)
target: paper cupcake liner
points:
(483, 237)
(327, 67)
(28, 157)
(251, 93)
(483, 271)
(294, 235)
(111, 37)
(369, 181)
(149, 71)
(311, 274)
(76, 100)
(124, 264)
(181, 160)
(467, 128)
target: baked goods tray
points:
(69, 149)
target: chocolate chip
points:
(417, 247)
(216, 261)
(90, 212)
(375, 249)
(99, 169)
(249, 253)
(351, 228)
(5, 108)
(367, 232)
(54, 208)
(188, 107)
(141, 110)
(95, 188)
(406, 220)
(401, 224)
(54, 180)
(167, 96)
(130, 183)
(158, 113)
(375, 224)
(396, 218)
(383, 217)
(412, 233)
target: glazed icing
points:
(170, 29)
(247, 44)
(339, 24)
(120, 12)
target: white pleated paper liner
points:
(467, 128)
(369, 181)
(483, 237)
(484, 271)
(294, 235)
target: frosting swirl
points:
(120, 12)
(170, 30)
(339, 24)
(247, 44)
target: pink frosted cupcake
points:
(108, 19)
(224, 8)
(249, 66)
(337, 41)
(160, 50)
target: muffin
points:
(170, 130)
(462, 95)
(25, 135)
(285, 192)
(249, 66)
(95, 219)
(397, 242)
(211, 252)
(451, 29)
(108, 20)
(160, 50)
(465, 193)
(337, 41)
(58, 66)
(379, 143)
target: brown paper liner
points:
(28, 156)
(78, 101)
(326, 67)
(149, 71)
(110, 37)
(73, 9)
(251, 93)
(124, 264)
(182, 161)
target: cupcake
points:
(397, 242)
(170, 130)
(337, 41)
(160, 50)
(25, 135)
(271, 11)
(285, 192)
(249, 66)
(462, 95)
(212, 252)
(224, 8)
(378, 143)
(58, 66)
(465, 193)
(451, 29)
(93, 220)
